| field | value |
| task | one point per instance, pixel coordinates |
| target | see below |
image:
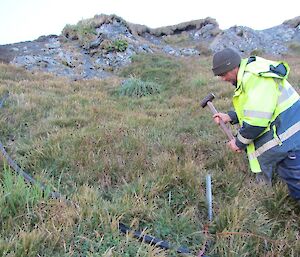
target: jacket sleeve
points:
(259, 106)
(233, 117)
(247, 134)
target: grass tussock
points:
(133, 87)
(141, 161)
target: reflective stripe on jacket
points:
(264, 99)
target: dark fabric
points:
(250, 132)
(251, 59)
(269, 159)
(280, 69)
(282, 122)
(225, 60)
(233, 117)
(289, 171)
(239, 144)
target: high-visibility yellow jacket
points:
(268, 111)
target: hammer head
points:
(208, 98)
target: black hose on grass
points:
(56, 195)
(151, 240)
(16, 167)
(27, 178)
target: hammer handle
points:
(223, 126)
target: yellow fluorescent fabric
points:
(259, 98)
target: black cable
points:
(151, 240)
(26, 177)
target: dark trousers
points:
(289, 171)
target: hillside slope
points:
(137, 160)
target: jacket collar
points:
(241, 73)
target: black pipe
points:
(27, 178)
(151, 240)
(17, 169)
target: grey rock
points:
(66, 59)
(96, 43)
(53, 44)
(144, 48)
(113, 30)
(189, 52)
(272, 41)
(204, 32)
(99, 57)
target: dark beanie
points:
(225, 60)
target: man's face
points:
(230, 76)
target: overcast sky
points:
(22, 20)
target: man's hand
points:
(223, 116)
(231, 144)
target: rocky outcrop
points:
(99, 46)
(273, 41)
(191, 26)
(293, 23)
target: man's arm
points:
(246, 134)
(233, 117)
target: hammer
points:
(208, 101)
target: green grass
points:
(133, 87)
(138, 160)
(160, 69)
